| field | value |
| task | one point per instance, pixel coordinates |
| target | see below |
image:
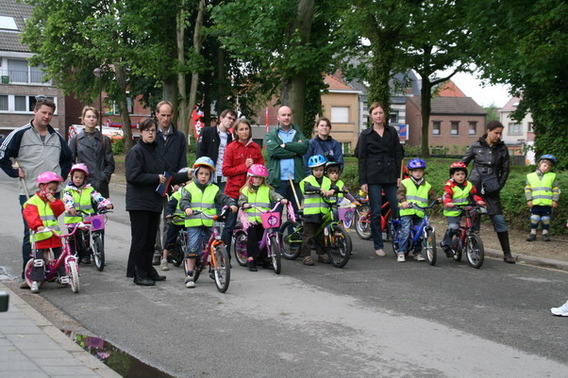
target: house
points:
(517, 135)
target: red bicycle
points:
(468, 241)
(363, 219)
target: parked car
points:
(114, 131)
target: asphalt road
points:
(374, 318)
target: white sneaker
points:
(189, 283)
(400, 257)
(558, 311)
(380, 252)
(419, 257)
(35, 287)
(164, 265)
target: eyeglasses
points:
(151, 131)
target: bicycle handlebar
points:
(431, 205)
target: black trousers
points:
(143, 227)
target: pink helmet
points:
(80, 167)
(47, 177)
(257, 170)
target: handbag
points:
(489, 183)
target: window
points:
(393, 118)
(472, 128)
(530, 128)
(8, 23)
(4, 102)
(346, 147)
(114, 109)
(436, 127)
(455, 128)
(20, 72)
(20, 104)
(515, 129)
(339, 114)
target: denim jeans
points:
(453, 225)
(375, 195)
(228, 230)
(198, 238)
(498, 220)
(406, 222)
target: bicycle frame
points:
(386, 212)
(51, 265)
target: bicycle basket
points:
(346, 214)
(97, 222)
(270, 219)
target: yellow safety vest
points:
(541, 188)
(313, 203)
(202, 200)
(260, 198)
(178, 215)
(47, 217)
(461, 196)
(418, 195)
(81, 201)
(340, 185)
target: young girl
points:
(40, 213)
(257, 192)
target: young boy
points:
(457, 191)
(542, 195)
(202, 195)
(314, 207)
(333, 172)
(78, 195)
(414, 189)
(40, 213)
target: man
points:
(286, 147)
(36, 148)
(173, 146)
(214, 140)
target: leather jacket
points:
(487, 160)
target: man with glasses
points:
(36, 148)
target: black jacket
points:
(209, 141)
(379, 157)
(174, 149)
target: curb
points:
(531, 260)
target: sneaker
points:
(560, 311)
(400, 257)
(308, 261)
(164, 265)
(35, 287)
(24, 285)
(189, 282)
(63, 280)
(324, 259)
(380, 252)
(156, 258)
(545, 238)
(531, 237)
(447, 250)
(419, 257)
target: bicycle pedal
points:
(64, 280)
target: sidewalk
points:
(31, 346)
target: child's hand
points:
(188, 212)
(234, 208)
(405, 205)
(529, 204)
(554, 204)
(169, 216)
(450, 204)
(40, 229)
(246, 206)
(50, 197)
(72, 211)
(284, 201)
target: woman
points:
(323, 144)
(491, 163)
(94, 150)
(239, 156)
(145, 168)
(380, 155)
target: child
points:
(78, 195)
(414, 189)
(542, 194)
(202, 195)
(333, 172)
(40, 213)
(457, 191)
(257, 192)
(176, 218)
(314, 207)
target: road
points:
(373, 318)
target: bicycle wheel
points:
(73, 272)
(98, 252)
(198, 268)
(339, 248)
(275, 258)
(240, 247)
(177, 254)
(290, 235)
(457, 246)
(222, 269)
(363, 222)
(394, 227)
(28, 272)
(429, 247)
(474, 251)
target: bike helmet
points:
(547, 157)
(47, 177)
(205, 162)
(257, 170)
(79, 167)
(458, 166)
(416, 164)
(316, 161)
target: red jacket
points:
(31, 216)
(234, 167)
(448, 195)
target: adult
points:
(36, 148)
(93, 149)
(491, 165)
(173, 147)
(239, 156)
(213, 142)
(380, 156)
(286, 146)
(323, 144)
(145, 166)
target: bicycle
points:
(465, 236)
(89, 237)
(423, 233)
(51, 264)
(337, 242)
(270, 241)
(363, 219)
(214, 255)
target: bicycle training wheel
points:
(429, 247)
(363, 222)
(275, 258)
(222, 270)
(474, 251)
(291, 239)
(339, 248)
(240, 247)
(98, 252)
(73, 272)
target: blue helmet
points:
(547, 157)
(316, 161)
(416, 164)
(204, 161)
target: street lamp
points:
(98, 72)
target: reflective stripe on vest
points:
(541, 188)
(202, 200)
(178, 215)
(81, 201)
(46, 215)
(460, 197)
(313, 203)
(418, 195)
(260, 198)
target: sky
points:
(484, 95)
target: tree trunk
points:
(183, 116)
(195, 75)
(426, 94)
(123, 107)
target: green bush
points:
(118, 147)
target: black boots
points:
(504, 241)
(141, 278)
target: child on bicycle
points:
(201, 195)
(40, 213)
(257, 192)
(542, 193)
(80, 198)
(314, 187)
(414, 189)
(457, 191)
(333, 172)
